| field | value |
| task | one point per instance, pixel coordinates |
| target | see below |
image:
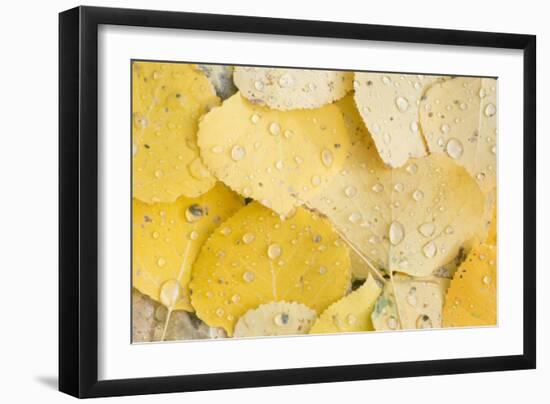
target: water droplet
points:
(248, 276)
(258, 85)
(315, 180)
(350, 191)
(494, 149)
(487, 279)
(193, 213)
(281, 319)
(412, 168)
(375, 128)
(391, 323)
(449, 230)
(418, 195)
(220, 312)
(427, 229)
(414, 127)
(396, 233)
(351, 319)
(286, 80)
(399, 187)
(386, 80)
(463, 106)
(247, 191)
(482, 93)
(288, 133)
(274, 251)
(274, 128)
(377, 187)
(429, 250)
(134, 149)
(170, 293)
(490, 110)
(159, 173)
(355, 217)
(326, 157)
(248, 238)
(411, 299)
(255, 118)
(161, 262)
(217, 149)
(226, 231)
(454, 148)
(322, 270)
(445, 128)
(238, 153)
(402, 104)
(374, 239)
(194, 235)
(423, 321)
(155, 235)
(235, 298)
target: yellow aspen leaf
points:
(167, 101)
(411, 219)
(389, 104)
(408, 303)
(256, 258)
(286, 89)
(277, 158)
(472, 296)
(459, 118)
(278, 318)
(353, 121)
(167, 238)
(352, 313)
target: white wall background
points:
(28, 198)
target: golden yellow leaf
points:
(412, 219)
(408, 303)
(167, 238)
(351, 313)
(286, 89)
(256, 258)
(388, 104)
(277, 158)
(459, 119)
(278, 318)
(472, 297)
(167, 101)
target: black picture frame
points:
(78, 200)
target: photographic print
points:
(274, 201)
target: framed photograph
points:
(252, 201)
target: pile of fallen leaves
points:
(310, 201)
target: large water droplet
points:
(396, 233)
(248, 238)
(238, 152)
(326, 157)
(423, 321)
(402, 104)
(377, 187)
(193, 213)
(454, 148)
(418, 195)
(274, 128)
(274, 251)
(427, 229)
(429, 250)
(170, 293)
(350, 191)
(355, 217)
(281, 319)
(490, 110)
(286, 80)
